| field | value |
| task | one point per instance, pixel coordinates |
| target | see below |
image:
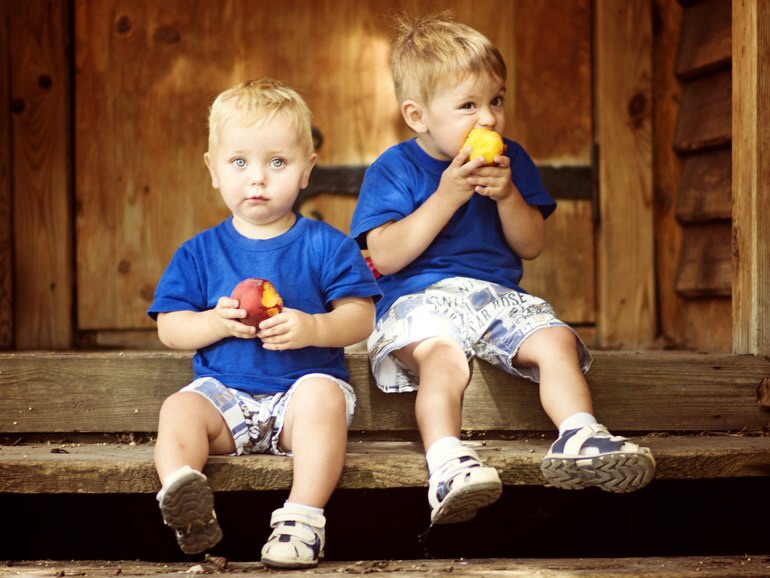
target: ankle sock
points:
(438, 449)
(576, 421)
(297, 506)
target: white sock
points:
(438, 449)
(173, 477)
(311, 509)
(576, 421)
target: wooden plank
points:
(704, 113)
(639, 391)
(113, 468)
(666, 169)
(567, 262)
(623, 112)
(6, 197)
(625, 567)
(551, 80)
(705, 192)
(751, 177)
(42, 206)
(706, 38)
(705, 264)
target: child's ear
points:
(412, 113)
(308, 169)
(207, 160)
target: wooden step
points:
(108, 468)
(648, 567)
(632, 391)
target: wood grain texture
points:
(705, 113)
(41, 169)
(706, 38)
(705, 192)
(6, 197)
(654, 391)
(666, 171)
(114, 468)
(751, 177)
(625, 245)
(705, 264)
(141, 185)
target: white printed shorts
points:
(487, 320)
(255, 421)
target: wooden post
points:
(6, 200)
(751, 177)
(623, 115)
(41, 169)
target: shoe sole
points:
(461, 504)
(619, 473)
(288, 564)
(188, 508)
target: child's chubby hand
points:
(492, 180)
(455, 185)
(225, 320)
(290, 329)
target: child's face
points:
(476, 101)
(259, 170)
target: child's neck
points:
(267, 230)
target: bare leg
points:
(563, 388)
(315, 431)
(444, 375)
(189, 430)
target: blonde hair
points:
(252, 101)
(429, 53)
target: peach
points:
(484, 143)
(259, 298)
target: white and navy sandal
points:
(592, 457)
(297, 540)
(187, 505)
(460, 486)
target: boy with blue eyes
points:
(281, 387)
(447, 236)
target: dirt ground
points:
(658, 567)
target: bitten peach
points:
(484, 143)
(259, 298)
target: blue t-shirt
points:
(471, 245)
(310, 265)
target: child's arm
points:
(523, 225)
(351, 320)
(395, 244)
(198, 329)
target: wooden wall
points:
(149, 70)
(101, 172)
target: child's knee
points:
(319, 396)
(182, 404)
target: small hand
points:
(225, 318)
(493, 181)
(455, 183)
(290, 329)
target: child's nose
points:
(486, 118)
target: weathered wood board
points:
(635, 392)
(706, 38)
(141, 185)
(123, 468)
(628, 567)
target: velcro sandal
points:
(187, 505)
(297, 540)
(592, 456)
(460, 486)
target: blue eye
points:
(277, 163)
(239, 163)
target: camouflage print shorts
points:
(487, 320)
